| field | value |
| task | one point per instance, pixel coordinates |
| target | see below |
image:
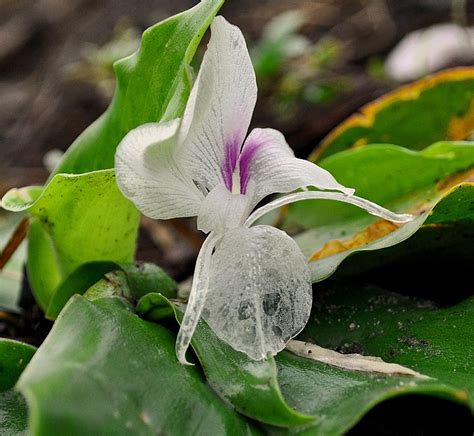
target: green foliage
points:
(14, 356)
(412, 332)
(335, 398)
(11, 275)
(251, 387)
(76, 283)
(111, 278)
(447, 230)
(76, 224)
(415, 333)
(392, 176)
(440, 107)
(400, 179)
(340, 398)
(103, 370)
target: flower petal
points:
(197, 298)
(259, 290)
(148, 175)
(221, 210)
(369, 206)
(269, 161)
(220, 107)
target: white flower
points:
(251, 284)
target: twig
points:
(9, 318)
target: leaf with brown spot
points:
(373, 232)
(437, 108)
(397, 178)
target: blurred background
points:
(316, 62)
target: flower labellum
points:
(251, 283)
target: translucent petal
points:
(220, 106)
(197, 298)
(221, 210)
(369, 206)
(259, 290)
(148, 175)
(268, 160)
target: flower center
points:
(231, 157)
(236, 188)
(236, 166)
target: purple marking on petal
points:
(231, 150)
(246, 158)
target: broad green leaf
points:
(397, 178)
(42, 257)
(103, 370)
(439, 107)
(18, 200)
(134, 280)
(340, 398)
(336, 398)
(434, 341)
(250, 386)
(389, 175)
(80, 219)
(14, 356)
(143, 278)
(77, 282)
(153, 84)
(12, 274)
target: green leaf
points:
(414, 333)
(143, 278)
(394, 177)
(437, 108)
(153, 84)
(76, 283)
(340, 398)
(103, 370)
(14, 356)
(12, 274)
(77, 223)
(336, 398)
(18, 200)
(250, 386)
(43, 268)
(130, 280)
(389, 175)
